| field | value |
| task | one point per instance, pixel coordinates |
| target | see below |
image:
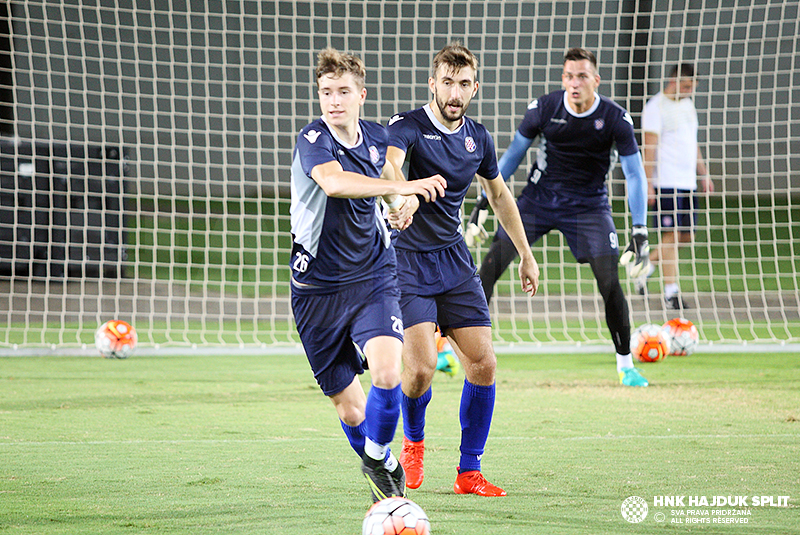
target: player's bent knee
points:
(480, 375)
(485, 357)
(480, 367)
(384, 357)
(351, 403)
(418, 374)
(351, 417)
(386, 378)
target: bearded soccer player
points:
(345, 298)
(439, 284)
(566, 191)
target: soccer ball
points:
(649, 343)
(115, 339)
(396, 516)
(683, 336)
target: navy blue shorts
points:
(441, 287)
(588, 229)
(330, 324)
(675, 208)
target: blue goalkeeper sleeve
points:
(514, 154)
(633, 168)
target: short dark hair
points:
(456, 56)
(578, 54)
(686, 70)
(331, 61)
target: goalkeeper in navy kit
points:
(579, 130)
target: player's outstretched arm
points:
(336, 182)
(429, 189)
(505, 208)
(402, 216)
(395, 203)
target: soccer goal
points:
(146, 151)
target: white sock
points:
(391, 462)
(624, 361)
(671, 290)
(375, 451)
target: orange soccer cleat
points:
(473, 482)
(411, 460)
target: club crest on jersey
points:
(374, 155)
(599, 124)
(469, 144)
(312, 136)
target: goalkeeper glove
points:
(475, 233)
(636, 257)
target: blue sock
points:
(383, 411)
(477, 406)
(356, 436)
(414, 416)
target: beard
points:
(451, 116)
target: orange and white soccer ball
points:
(649, 343)
(115, 339)
(396, 516)
(683, 336)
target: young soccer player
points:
(438, 279)
(566, 191)
(344, 283)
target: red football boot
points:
(411, 460)
(473, 482)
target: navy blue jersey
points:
(337, 241)
(431, 148)
(576, 150)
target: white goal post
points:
(146, 149)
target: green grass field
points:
(248, 444)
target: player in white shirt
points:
(673, 162)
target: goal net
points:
(146, 149)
